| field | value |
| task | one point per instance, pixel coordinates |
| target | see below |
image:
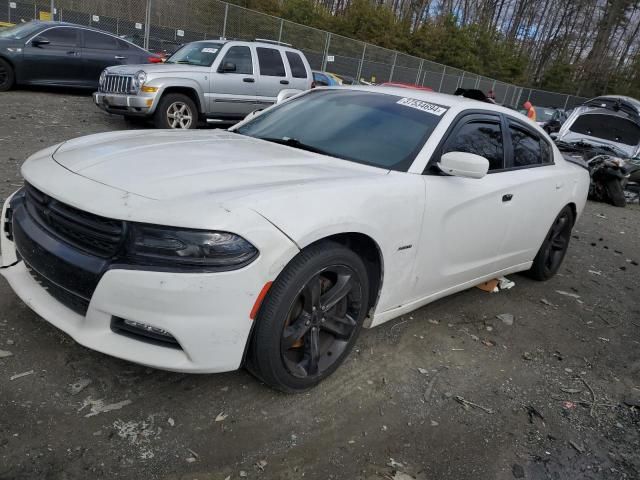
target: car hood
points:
(168, 164)
(157, 68)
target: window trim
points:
(467, 116)
(282, 59)
(508, 121)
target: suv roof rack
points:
(275, 42)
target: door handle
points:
(72, 52)
(284, 82)
(507, 197)
(119, 57)
(248, 80)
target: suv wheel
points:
(310, 319)
(176, 111)
(7, 77)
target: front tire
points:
(554, 248)
(177, 111)
(7, 76)
(310, 319)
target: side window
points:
(547, 152)
(297, 65)
(240, 56)
(320, 79)
(99, 41)
(122, 45)
(526, 147)
(61, 37)
(483, 138)
(270, 62)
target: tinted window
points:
(270, 62)
(547, 153)
(364, 127)
(297, 65)
(99, 41)
(526, 148)
(608, 127)
(61, 37)
(481, 138)
(241, 58)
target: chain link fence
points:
(166, 24)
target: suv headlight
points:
(103, 76)
(138, 79)
(171, 246)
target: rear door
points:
(233, 91)
(299, 73)
(100, 51)
(58, 62)
(273, 76)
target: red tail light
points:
(154, 59)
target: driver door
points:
(465, 220)
(233, 84)
(59, 62)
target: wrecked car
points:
(605, 133)
(271, 245)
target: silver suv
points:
(214, 80)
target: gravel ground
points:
(391, 410)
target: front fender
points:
(165, 84)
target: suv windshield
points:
(18, 32)
(196, 53)
(375, 129)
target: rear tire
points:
(7, 76)
(310, 319)
(554, 248)
(177, 111)
(616, 193)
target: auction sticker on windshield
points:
(438, 110)
(209, 50)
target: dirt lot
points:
(390, 410)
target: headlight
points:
(200, 248)
(138, 79)
(103, 76)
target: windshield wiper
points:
(295, 143)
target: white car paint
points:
(436, 234)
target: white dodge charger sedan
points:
(272, 244)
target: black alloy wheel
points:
(554, 248)
(7, 76)
(310, 318)
(321, 322)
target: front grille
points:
(94, 234)
(67, 298)
(117, 84)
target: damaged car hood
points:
(168, 164)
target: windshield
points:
(20, 31)
(196, 53)
(376, 129)
(610, 128)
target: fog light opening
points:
(143, 332)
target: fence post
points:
(147, 26)
(326, 51)
(364, 51)
(53, 9)
(444, 71)
(566, 102)
(393, 67)
(460, 80)
(224, 23)
(280, 33)
(419, 72)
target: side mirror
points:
(286, 94)
(228, 67)
(463, 164)
(39, 41)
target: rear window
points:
(99, 41)
(607, 127)
(270, 62)
(297, 65)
